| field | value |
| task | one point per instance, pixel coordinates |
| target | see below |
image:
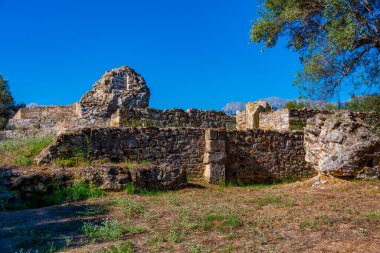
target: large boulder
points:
(118, 88)
(342, 145)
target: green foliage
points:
(78, 191)
(370, 103)
(109, 230)
(296, 127)
(338, 41)
(21, 152)
(76, 159)
(221, 221)
(7, 103)
(374, 215)
(331, 107)
(295, 105)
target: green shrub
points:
(370, 103)
(76, 158)
(295, 105)
(374, 215)
(78, 191)
(330, 107)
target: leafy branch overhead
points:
(339, 42)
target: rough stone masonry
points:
(106, 125)
(119, 98)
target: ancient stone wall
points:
(241, 121)
(298, 118)
(172, 118)
(276, 120)
(182, 147)
(38, 120)
(255, 156)
(280, 120)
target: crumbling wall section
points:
(259, 156)
(218, 155)
(38, 121)
(276, 120)
(172, 118)
(183, 147)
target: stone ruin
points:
(112, 122)
(119, 98)
(116, 89)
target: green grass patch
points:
(374, 215)
(296, 127)
(221, 221)
(317, 222)
(78, 191)
(109, 230)
(129, 207)
(76, 158)
(21, 152)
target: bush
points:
(7, 103)
(295, 105)
(78, 191)
(370, 103)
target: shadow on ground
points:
(47, 229)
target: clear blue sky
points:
(193, 54)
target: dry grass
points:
(338, 216)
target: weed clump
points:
(109, 230)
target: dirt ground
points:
(338, 216)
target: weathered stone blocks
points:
(163, 177)
(342, 145)
(215, 156)
(253, 111)
(118, 88)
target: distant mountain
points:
(232, 107)
(275, 102)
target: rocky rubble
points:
(342, 145)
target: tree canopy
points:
(7, 103)
(338, 42)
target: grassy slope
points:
(21, 152)
(335, 217)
